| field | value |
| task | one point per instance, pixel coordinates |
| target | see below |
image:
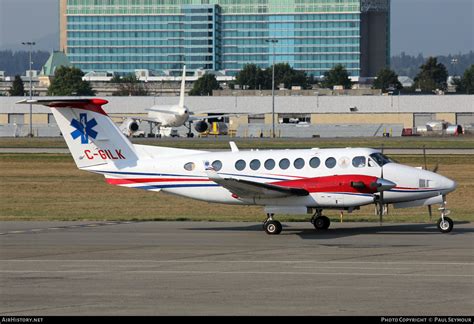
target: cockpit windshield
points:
(380, 159)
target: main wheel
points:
(445, 226)
(321, 223)
(273, 227)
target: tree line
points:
(431, 76)
(408, 65)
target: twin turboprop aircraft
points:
(282, 181)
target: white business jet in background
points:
(282, 181)
(167, 116)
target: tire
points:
(321, 223)
(273, 227)
(447, 226)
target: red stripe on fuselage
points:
(115, 181)
(336, 183)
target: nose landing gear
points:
(445, 224)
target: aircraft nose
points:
(450, 184)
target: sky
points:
(430, 27)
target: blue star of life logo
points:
(84, 128)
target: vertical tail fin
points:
(183, 84)
(92, 137)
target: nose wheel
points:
(445, 224)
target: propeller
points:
(435, 170)
(381, 185)
(381, 199)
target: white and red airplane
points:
(282, 181)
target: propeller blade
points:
(435, 170)
(381, 208)
(430, 212)
(424, 156)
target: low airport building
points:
(295, 116)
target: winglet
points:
(183, 84)
(233, 146)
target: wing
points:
(196, 118)
(251, 189)
(163, 111)
(138, 119)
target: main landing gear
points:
(271, 226)
(445, 224)
(189, 134)
(319, 221)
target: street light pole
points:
(273, 41)
(30, 44)
(454, 61)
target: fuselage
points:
(169, 115)
(327, 174)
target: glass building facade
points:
(163, 35)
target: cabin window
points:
(217, 165)
(284, 164)
(299, 163)
(189, 166)
(254, 164)
(269, 164)
(314, 162)
(358, 161)
(371, 163)
(330, 162)
(240, 165)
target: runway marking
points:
(241, 261)
(243, 273)
(38, 230)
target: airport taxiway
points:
(213, 268)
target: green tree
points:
(250, 77)
(205, 85)
(466, 83)
(386, 79)
(17, 88)
(432, 76)
(286, 75)
(68, 81)
(338, 75)
(129, 85)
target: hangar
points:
(380, 112)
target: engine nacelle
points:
(132, 126)
(129, 127)
(201, 126)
